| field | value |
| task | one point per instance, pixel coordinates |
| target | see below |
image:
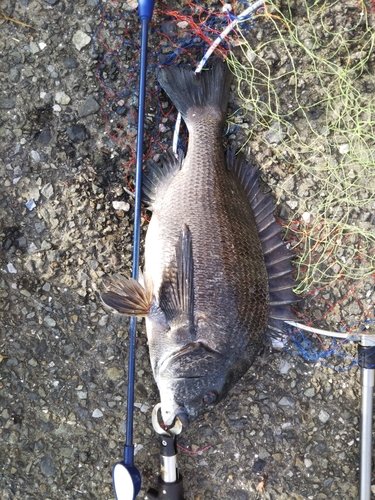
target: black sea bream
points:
(216, 270)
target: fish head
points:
(191, 381)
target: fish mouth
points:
(183, 416)
(170, 417)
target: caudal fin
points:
(189, 91)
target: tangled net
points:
(305, 91)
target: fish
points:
(217, 274)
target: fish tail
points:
(191, 92)
(127, 296)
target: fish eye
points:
(210, 397)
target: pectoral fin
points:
(177, 290)
(127, 296)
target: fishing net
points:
(304, 106)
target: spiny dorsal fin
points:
(276, 256)
(159, 175)
(127, 296)
(177, 291)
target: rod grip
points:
(145, 9)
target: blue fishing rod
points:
(126, 477)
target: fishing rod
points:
(126, 477)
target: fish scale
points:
(213, 251)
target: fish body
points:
(208, 292)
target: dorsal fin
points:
(276, 256)
(176, 297)
(159, 175)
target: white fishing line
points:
(355, 337)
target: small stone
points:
(62, 98)
(89, 107)
(66, 452)
(49, 321)
(52, 2)
(287, 401)
(121, 205)
(11, 268)
(32, 248)
(306, 217)
(7, 102)
(308, 463)
(45, 136)
(274, 134)
(97, 413)
(263, 453)
(35, 156)
(47, 466)
(82, 394)
(46, 245)
(330, 480)
(336, 268)
(70, 63)
(46, 287)
(293, 204)
(103, 320)
(34, 49)
(47, 191)
(93, 264)
(344, 148)
(284, 367)
(310, 393)
(56, 108)
(324, 416)
(115, 373)
(80, 39)
(42, 45)
(71, 418)
(21, 241)
(30, 204)
(76, 133)
(14, 75)
(259, 465)
(33, 362)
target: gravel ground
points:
(288, 430)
